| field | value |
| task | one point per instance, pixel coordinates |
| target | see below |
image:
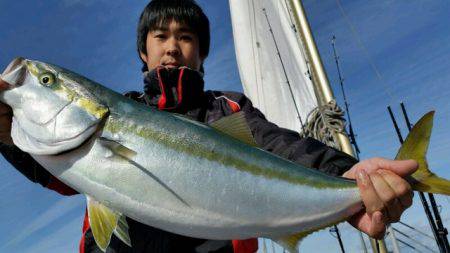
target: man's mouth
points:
(171, 65)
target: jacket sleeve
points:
(288, 144)
(31, 169)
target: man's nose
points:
(173, 48)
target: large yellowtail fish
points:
(173, 173)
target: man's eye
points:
(160, 36)
(186, 37)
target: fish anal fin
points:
(415, 147)
(103, 221)
(235, 125)
(291, 243)
(121, 230)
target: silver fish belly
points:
(194, 195)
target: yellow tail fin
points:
(415, 147)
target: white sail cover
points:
(267, 79)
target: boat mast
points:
(323, 91)
(322, 88)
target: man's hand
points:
(5, 118)
(384, 192)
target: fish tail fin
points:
(415, 147)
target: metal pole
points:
(395, 248)
(399, 134)
(378, 246)
(440, 231)
(361, 238)
(335, 229)
(322, 87)
(352, 135)
(273, 246)
(319, 77)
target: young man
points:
(173, 42)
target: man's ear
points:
(143, 56)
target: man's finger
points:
(402, 168)
(393, 207)
(378, 227)
(369, 196)
(5, 109)
(401, 187)
(5, 123)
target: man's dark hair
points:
(161, 12)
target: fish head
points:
(53, 110)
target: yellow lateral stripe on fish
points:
(174, 174)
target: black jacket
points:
(182, 92)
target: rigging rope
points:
(323, 122)
(364, 49)
(414, 240)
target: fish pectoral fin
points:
(117, 148)
(104, 222)
(292, 243)
(235, 126)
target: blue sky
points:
(406, 42)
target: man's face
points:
(172, 46)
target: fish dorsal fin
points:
(291, 243)
(235, 126)
(117, 148)
(104, 222)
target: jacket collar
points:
(175, 89)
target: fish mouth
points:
(14, 74)
(52, 123)
(38, 146)
(16, 63)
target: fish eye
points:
(47, 79)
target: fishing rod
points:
(335, 228)
(439, 235)
(284, 71)
(341, 82)
(351, 132)
(441, 230)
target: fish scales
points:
(201, 177)
(173, 173)
(186, 177)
